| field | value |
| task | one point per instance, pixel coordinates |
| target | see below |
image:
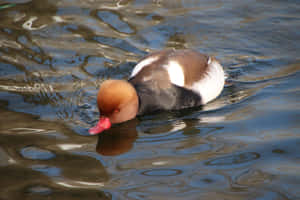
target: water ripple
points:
(232, 160)
(162, 172)
(36, 153)
(54, 55)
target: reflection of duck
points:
(165, 80)
(118, 139)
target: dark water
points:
(55, 54)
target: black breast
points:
(153, 98)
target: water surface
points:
(54, 55)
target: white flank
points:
(175, 72)
(142, 64)
(211, 85)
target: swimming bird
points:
(163, 80)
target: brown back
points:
(193, 63)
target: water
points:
(55, 54)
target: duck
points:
(163, 80)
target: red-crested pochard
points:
(164, 80)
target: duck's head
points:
(117, 102)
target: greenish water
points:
(55, 54)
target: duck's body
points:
(165, 80)
(168, 80)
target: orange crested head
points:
(117, 102)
